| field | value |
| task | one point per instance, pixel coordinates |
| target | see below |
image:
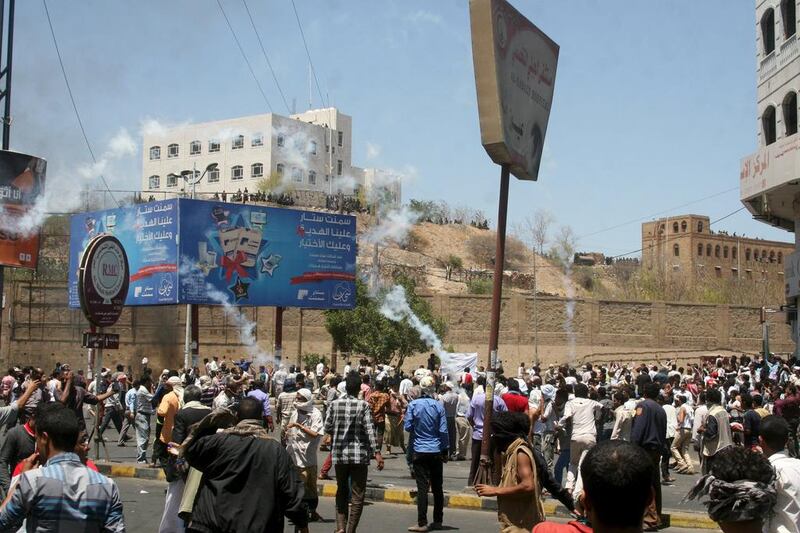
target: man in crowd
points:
(544, 438)
(259, 394)
(19, 443)
(649, 431)
(449, 400)
(353, 443)
(73, 396)
(62, 495)
(716, 433)
(773, 437)
(426, 422)
(475, 418)
(584, 414)
(143, 416)
(303, 434)
(249, 482)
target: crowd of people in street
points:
(239, 444)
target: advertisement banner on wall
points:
(22, 178)
(218, 253)
(515, 70)
(149, 235)
(266, 256)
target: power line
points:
(668, 238)
(241, 49)
(263, 51)
(72, 99)
(305, 44)
(641, 219)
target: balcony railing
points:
(769, 65)
(788, 50)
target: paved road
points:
(143, 513)
(396, 473)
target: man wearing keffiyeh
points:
(739, 491)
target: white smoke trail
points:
(61, 200)
(395, 307)
(569, 309)
(394, 226)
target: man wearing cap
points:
(544, 432)
(426, 423)
(303, 433)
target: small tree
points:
(452, 263)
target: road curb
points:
(456, 500)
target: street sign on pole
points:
(108, 341)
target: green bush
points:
(479, 286)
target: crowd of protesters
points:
(221, 430)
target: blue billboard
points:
(212, 253)
(149, 234)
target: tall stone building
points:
(685, 244)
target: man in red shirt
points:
(515, 400)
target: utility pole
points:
(5, 95)
(535, 315)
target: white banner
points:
(452, 364)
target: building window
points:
(154, 182)
(700, 250)
(172, 180)
(281, 140)
(237, 172)
(674, 227)
(718, 271)
(684, 226)
(768, 125)
(339, 167)
(708, 250)
(676, 250)
(735, 272)
(312, 177)
(725, 252)
(155, 153)
(734, 252)
(213, 146)
(312, 147)
(699, 226)
(790, 113)
(768, 31)
(716, 250)
(172, 150)
(772, 257)
(747, 254)
(297, 175)
(256, 170)
(194, 147)
(238, 142)
(257, 140)
(780, 258)
(755, 255)
(279, 169)
(341, 137)
(213, 175)
(789, 16)
(763, 256)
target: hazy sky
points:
(654, 101)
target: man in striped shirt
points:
(354, 443)
(63, 495)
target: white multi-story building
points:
(308, 151)
(769, 179)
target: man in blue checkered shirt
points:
(349, 425)
(63, 495)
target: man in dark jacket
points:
(192, 412)
(249, 482)
(20, 443)
(649, 431)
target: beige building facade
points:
(685, 244)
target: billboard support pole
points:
(300, 340)
(187, 339)
(6, 96)
(278, 334)
(484, 474)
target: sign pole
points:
(484, 474)
(98, 368)
(278, 334)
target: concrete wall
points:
(39, 329)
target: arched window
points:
(772, 256)
(674, 227)
(768, 31)
(172, 150)
(213, 175)
(780, 258)
(716, 250)
(297, 174)
(256, 170)
(734, 252)
(789, 16)
(195, 147)
(279, 169)
(725, 252)
(312, 177)
(684, 226)
(237, 143)
(708, 250)
(699, 226)
(312, 147)
(237, 172)
(763, 255)
(155, 153)
(700, 250)
(768, 125)
(154, 182)
(790, 113)
(755, 255)
(676, 250)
